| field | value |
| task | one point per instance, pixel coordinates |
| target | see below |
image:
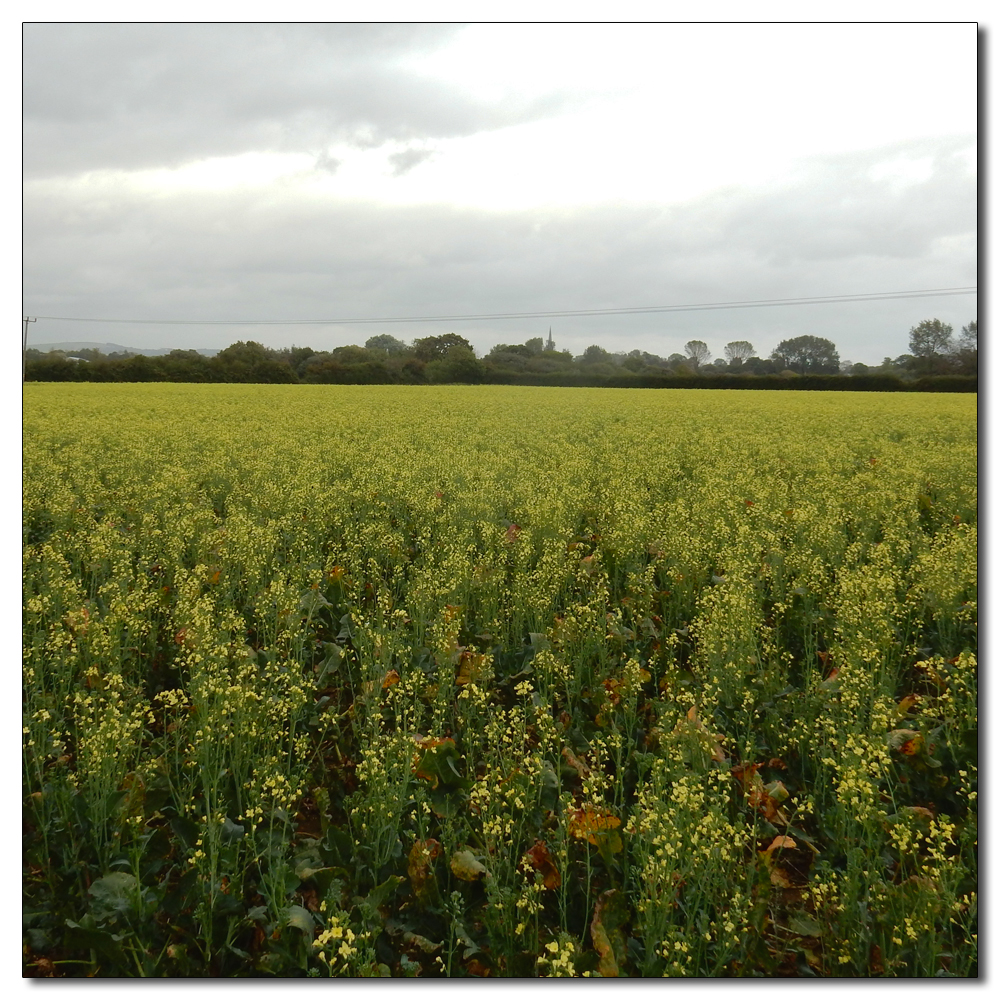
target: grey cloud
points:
(834, 206)
(142, 95)
(327, 163)
(242, 255)
(404, 161)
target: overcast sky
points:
(312, 172)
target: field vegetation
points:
(498, 681)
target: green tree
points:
(245, 352)
(930, 337)
(351, 354)
(385, 343)
(759, 366)
(460, 364)
(594, 355)
(738, 351)
(298, 358)
(513, 359)
(969, 338)
(251, 362)
(966, 352)
(140, 368)
(435, 348)
(808, 355)
(185, 366)
(500, 349)
(698, 352)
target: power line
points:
(552, 313)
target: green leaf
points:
(549, 787)
(330, 664)
(381, 893)
(805, 925)
(439, 766)
(338, 847)
(409, 968)
(419, 941)
(113, 894)
(230, 831)
(185, 830)
(465, 866)
(300, 918)
(346, 632)
(226, 905)
(38, 940)
(312, 600)
(777, 791)
(446, 802)
(86, 935)
(113, 801)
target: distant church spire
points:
(550, 344)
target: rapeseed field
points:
(498, 681)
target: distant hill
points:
(82, 345)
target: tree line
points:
(937, 359)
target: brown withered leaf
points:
(470, 667)
(780, 841)
(745, 774)
(597, 826)
(907, 741)
(420, 868)
(539, 858)
(784, 877)
(788, 866)
(875, 963)
(430, 742)
(45, 966)
(765, 799)
(610, 915)
(574, 762)
(709, 740)
(613, 686)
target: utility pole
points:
(24, 342)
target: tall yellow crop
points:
(368, 680)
